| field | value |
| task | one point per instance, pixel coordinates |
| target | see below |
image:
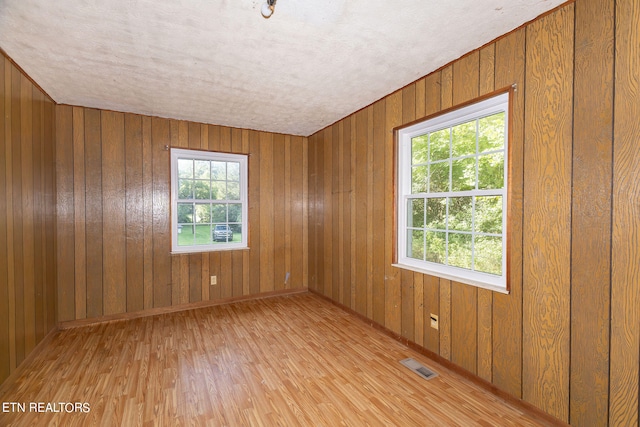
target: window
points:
(208, 201)
(452, 194)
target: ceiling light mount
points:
(268, 8)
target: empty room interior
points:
(250, 213)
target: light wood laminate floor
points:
(287, 361)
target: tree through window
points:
(452, 194)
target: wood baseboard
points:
(519, 403)
(4, 386)
(175, 308)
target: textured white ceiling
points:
(220, 62)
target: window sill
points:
(206, 251)
(458, 279)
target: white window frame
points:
(242, 159)
(483, 108)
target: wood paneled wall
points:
(567, 337)
(113, 228)
(27, 247)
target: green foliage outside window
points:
(445, 225)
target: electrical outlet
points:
(434, 321)
(214, 280)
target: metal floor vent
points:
(419, 369)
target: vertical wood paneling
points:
(444, 320)
(26, 178)
(547, 207)
(360, 190)
(254, 211)
(113, 208)
(507, 335)
(125, 165)
(347, 202)
(93, 210)
(39, 171)
(393, 295)
(464, 298)
(369, 252)
(27, 249)
(49, 211)
(17, 259)
(11, 290)
(319, 215)
(5, 364)
(161, 136)
(64, 213)
(377, 211)
(336, 185)
(431, 284)
(591, 212)
(407, 285)
(297, 213)
(279, 267)
(134, 212)
(266, 213)
(327, 222)
(486, 85)
(79, 208)
(625, 262)
(446, 101)
(147, 211)
(313, 191)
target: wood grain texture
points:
(266, 213)
(407, 285)
(5, 362)
(507, 334)
(160, 137)
(93, 211)
(431, 306)
(347, 202)
(625, 274)
(327, 222)
(547, 207)
(79, 213)
(393, 295)
(326, 368)
(126, 177)
(591, 212)
(114, 213)
(336, 198)
(134, 229)
(369, 252)
(279, 231)
(361, 208)
(254, 211)
(464, 299)
(17, 255)
(444, 320)
(27, 213)
(64, 213)
(27, 250)
(486, 84)
(378, 213)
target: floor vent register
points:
(419, 369)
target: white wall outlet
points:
(214, 280)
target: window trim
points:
(243, 159)
(459, 113)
